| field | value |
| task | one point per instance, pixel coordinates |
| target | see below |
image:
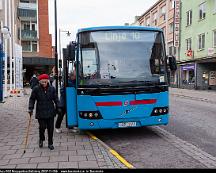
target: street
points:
(187, 142)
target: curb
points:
(113, 152)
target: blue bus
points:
(121, 78)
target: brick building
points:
(35, 38)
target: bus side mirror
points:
(71, 51)
(172, 63)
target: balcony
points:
(27, 14)
(28, 35)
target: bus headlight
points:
(90, 115)
(160, 111)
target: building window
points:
(1, 5)
(163, 12)
(202, 11)
(189, 17)
(171, 27)
(215, 6)
(171, 49)
(29, 46)
(148, 21)
(201, 41)
(172, 4)
(34, 46)
(155, 18)
(26, 46)
(214, 37)
(189, 44)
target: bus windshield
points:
(121, 58)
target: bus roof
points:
(103, 28)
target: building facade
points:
(12, 65)
(197, 65)
(161, 15)
(35, 38)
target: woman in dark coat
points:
(47, 102)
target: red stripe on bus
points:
(108, 103)
(143, 102)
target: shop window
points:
(191, 77)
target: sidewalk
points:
(202, 95)
(72, 150)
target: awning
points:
(38, 61)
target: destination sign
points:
(124, 36)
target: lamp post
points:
(60, 54)
(1, 70)
(56, 48)
(5, 34)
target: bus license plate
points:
(127, 124)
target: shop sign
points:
(177, 23)
(210, 51)
(188, 67)
(212, 78)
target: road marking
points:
(113, 152)
(206, 159)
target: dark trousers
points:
(49, 124)
(59, 119)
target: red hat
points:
(43, 76)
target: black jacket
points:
(33, 82)
(47, 102)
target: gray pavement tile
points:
(80, 147)
(27, 151)
(77, 158)
(68, 165)
(5, 148)
(84, 152)
(8, 152)
(39, 159)
(13, 156)
(4, 162)
(19, 161)
(68, 152)
(67, 144)
(8, 167)
(48, 153)
(27, 166)
(91, 158)
(58, 159)
(31, 155)
(88, 164)
(44, 165)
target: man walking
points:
(33, 81)
(47, 102)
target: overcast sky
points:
(74, 14)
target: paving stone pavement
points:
(72, 150)
(201, 95)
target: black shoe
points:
(51, 147)
(40, 143)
